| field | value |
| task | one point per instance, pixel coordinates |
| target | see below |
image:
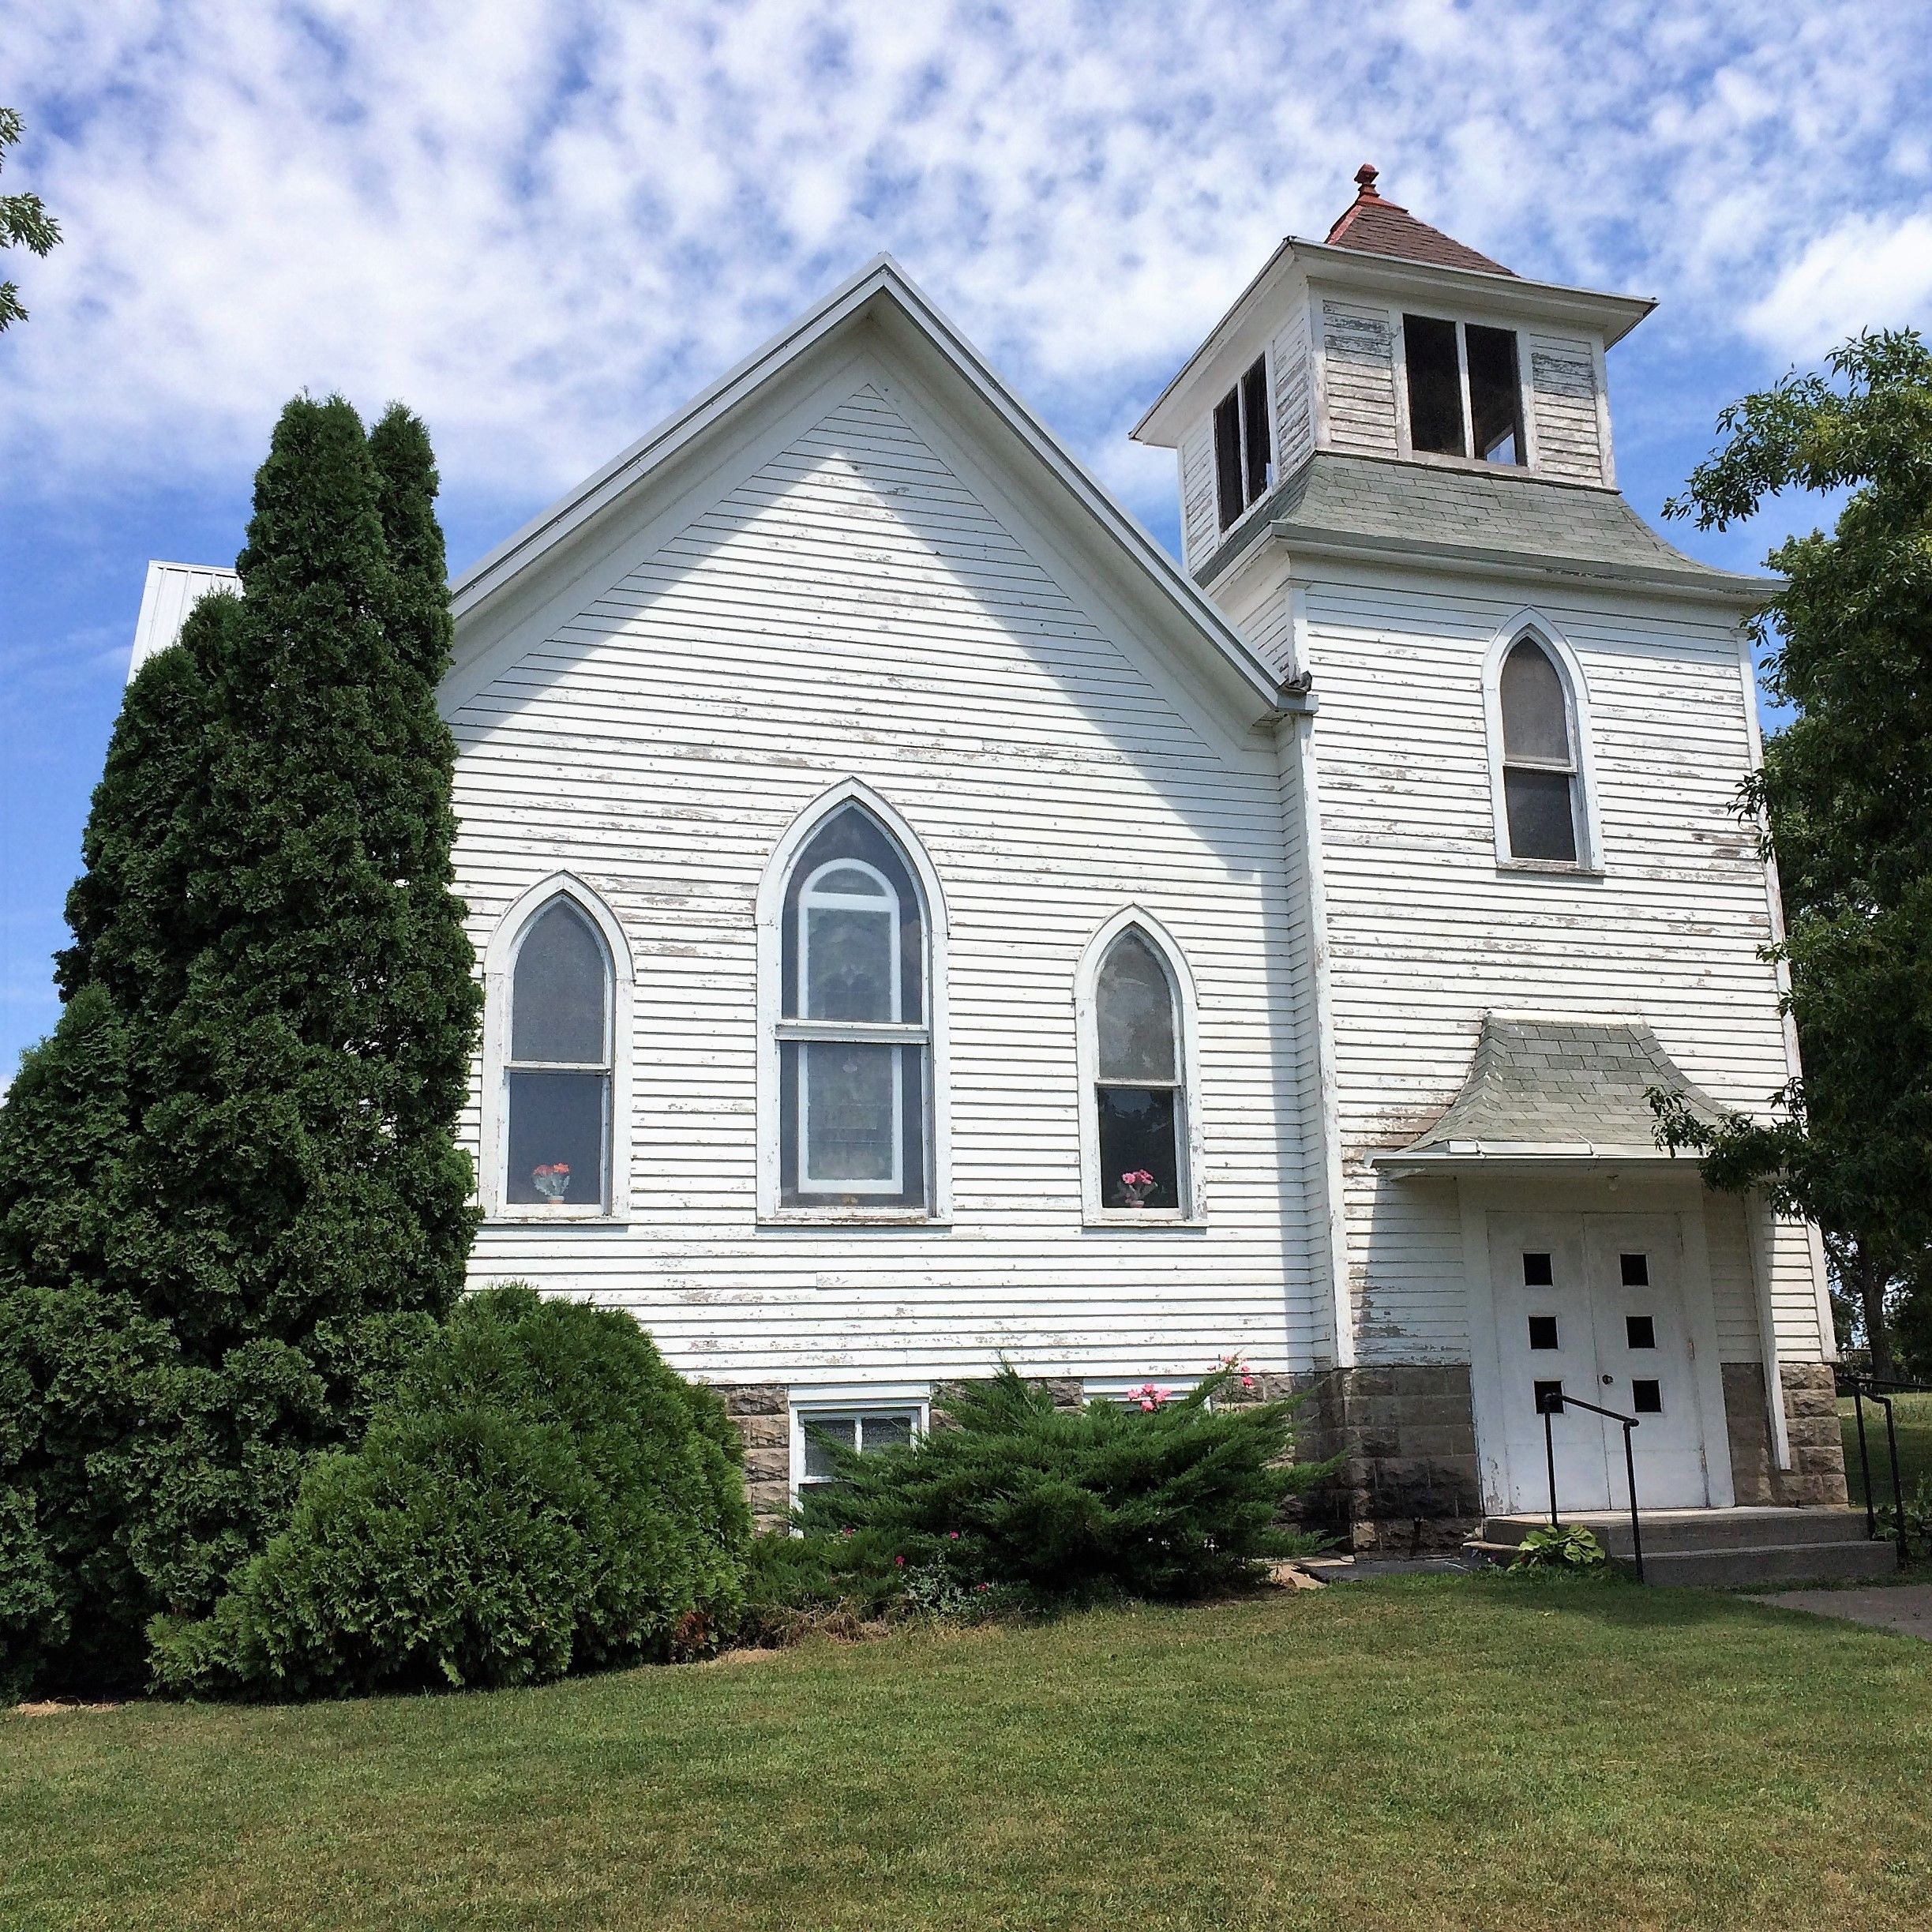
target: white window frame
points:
(498, 986)
(1535, 624)
(810, 895)
(1239, 391)
(1095, 1211)
(826, 1405)
(1525, 393)
(774, 1027)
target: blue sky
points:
(544, 224)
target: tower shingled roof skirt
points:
(1372, 226)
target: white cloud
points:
(545, 223)
(1869, 272)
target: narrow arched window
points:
(1139, 1096)
(557, 1073)
(1541, 771)
(855, 1022)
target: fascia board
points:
(1175, 408)
(1611, 316)
(1160, 588)
(488, 575)
(882, 294)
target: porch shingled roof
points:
(1554, 1087)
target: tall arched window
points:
(557, 1070)
(1135, 1046)
(1542, 772)
(854, 1026)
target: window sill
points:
(1561, 868)
(852, 1217)
(1140, 1217)
(555, 1217)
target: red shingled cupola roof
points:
(1375, 226)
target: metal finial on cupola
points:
(1365, 181)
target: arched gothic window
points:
(1542, 769)
(855, 1025)
(559, 1062)
(1140, 1102)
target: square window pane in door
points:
(1647, 1397)
(557, 1137)
(1537, 1272)
(1543, 1332)
(851, 1104)
(1640, 1331)
(1542, 822)
(1636, 1269)
(1137, 1135)
(1549, 1394)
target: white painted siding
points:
(1291, 356)
(852, 609)
(1358, 374)
(1425, 932)
(1563, 396)
(169, 593)
(1200, 516)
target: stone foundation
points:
(1817, 1476)
(762, 1411)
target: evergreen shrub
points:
(1167, 1498)
(542, 1494)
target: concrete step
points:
(1789, 1563)
(1720, 1548)
(1696, 1530)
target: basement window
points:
(1243, 449)
(1464, 390)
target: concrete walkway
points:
(1906, 1607)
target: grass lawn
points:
(1437, 1752)
(1914, 1416)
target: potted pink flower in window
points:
(551, 1182)
(1137, 1185)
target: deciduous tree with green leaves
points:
(231, 1194)
(24, 222)
(1844, 801)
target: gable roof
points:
(1542, 1089)
(882, 296)
(1372, 226)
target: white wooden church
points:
(923, 924)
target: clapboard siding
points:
(1425, 933)
(853, 609)
(1291, 356)
(1358, 378)
(1563, 396)
(1200, 516)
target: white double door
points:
(1592, 1306)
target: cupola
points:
(1391, 341)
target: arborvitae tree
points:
(235, 1160)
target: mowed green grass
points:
(1913, 1416)
(1437, 1752)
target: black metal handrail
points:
(1553, 1402)
(1864, 1388)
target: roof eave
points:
(1613, 316)
(880, 282)
(1508, 1157)
(1744, 595)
